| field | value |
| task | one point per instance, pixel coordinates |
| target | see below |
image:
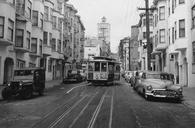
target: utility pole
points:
(148, 45)
(129, 53)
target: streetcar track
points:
(54, 123)
(57, 109)
(97, 110)
(82, 111)
(111, 109)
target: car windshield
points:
(23, 74)
(153, 76)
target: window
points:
(193, 52)
(29, 8)
(60, 7)
(54, 25)
(144, 35)
(2, 26)
(181, 1)
(59, 45)
(35, 18)
(53, 44)
(50, 39)
(12, 2)
(51, 14)
(144, 22)
(162, 13)
(41, 21)
(182, 28)
(169, 9)
(173, 39)
(28, 39)
(34, 45)
(49, 65)
(156, 20)
(59, 24)
(173, 6)
(19, 37)
(151, 22)
(45, 35)
(46, 13)
(169, 36)
(175, 30)
(103, 67)
(40, 47)
(10, 31)
(162, 35)
(20, 63)
(32, 65)
(97, 66)
(193, 17)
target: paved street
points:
(84, 106)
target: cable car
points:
(103, 70)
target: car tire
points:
(26, 93)
(6, 93)
(41, 92)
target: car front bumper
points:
(165, 94)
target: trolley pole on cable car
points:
(148, 45)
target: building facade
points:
(104, 35)
(37, 33)
(172, 37)
(92, 48)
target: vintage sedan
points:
(158, 84)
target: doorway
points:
(8, 70)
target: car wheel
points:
(41, 92)
(6, 93)
(26, 93)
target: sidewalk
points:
(189, 97)
(48, 84)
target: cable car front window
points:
(103, 67)
(97, 66)
(90, 66)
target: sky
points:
(121, 14)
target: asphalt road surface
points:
(86, 106)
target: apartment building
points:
(173, 39)
(36, 33)
(7, 40)
(124, 53)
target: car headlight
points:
(9, 84)
(20, 83)
(149, 87)
(180, 89)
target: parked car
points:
(158, 84)
(73, 77)
(83, 74)
(128, 75)
(133, 79)
(25, 82)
